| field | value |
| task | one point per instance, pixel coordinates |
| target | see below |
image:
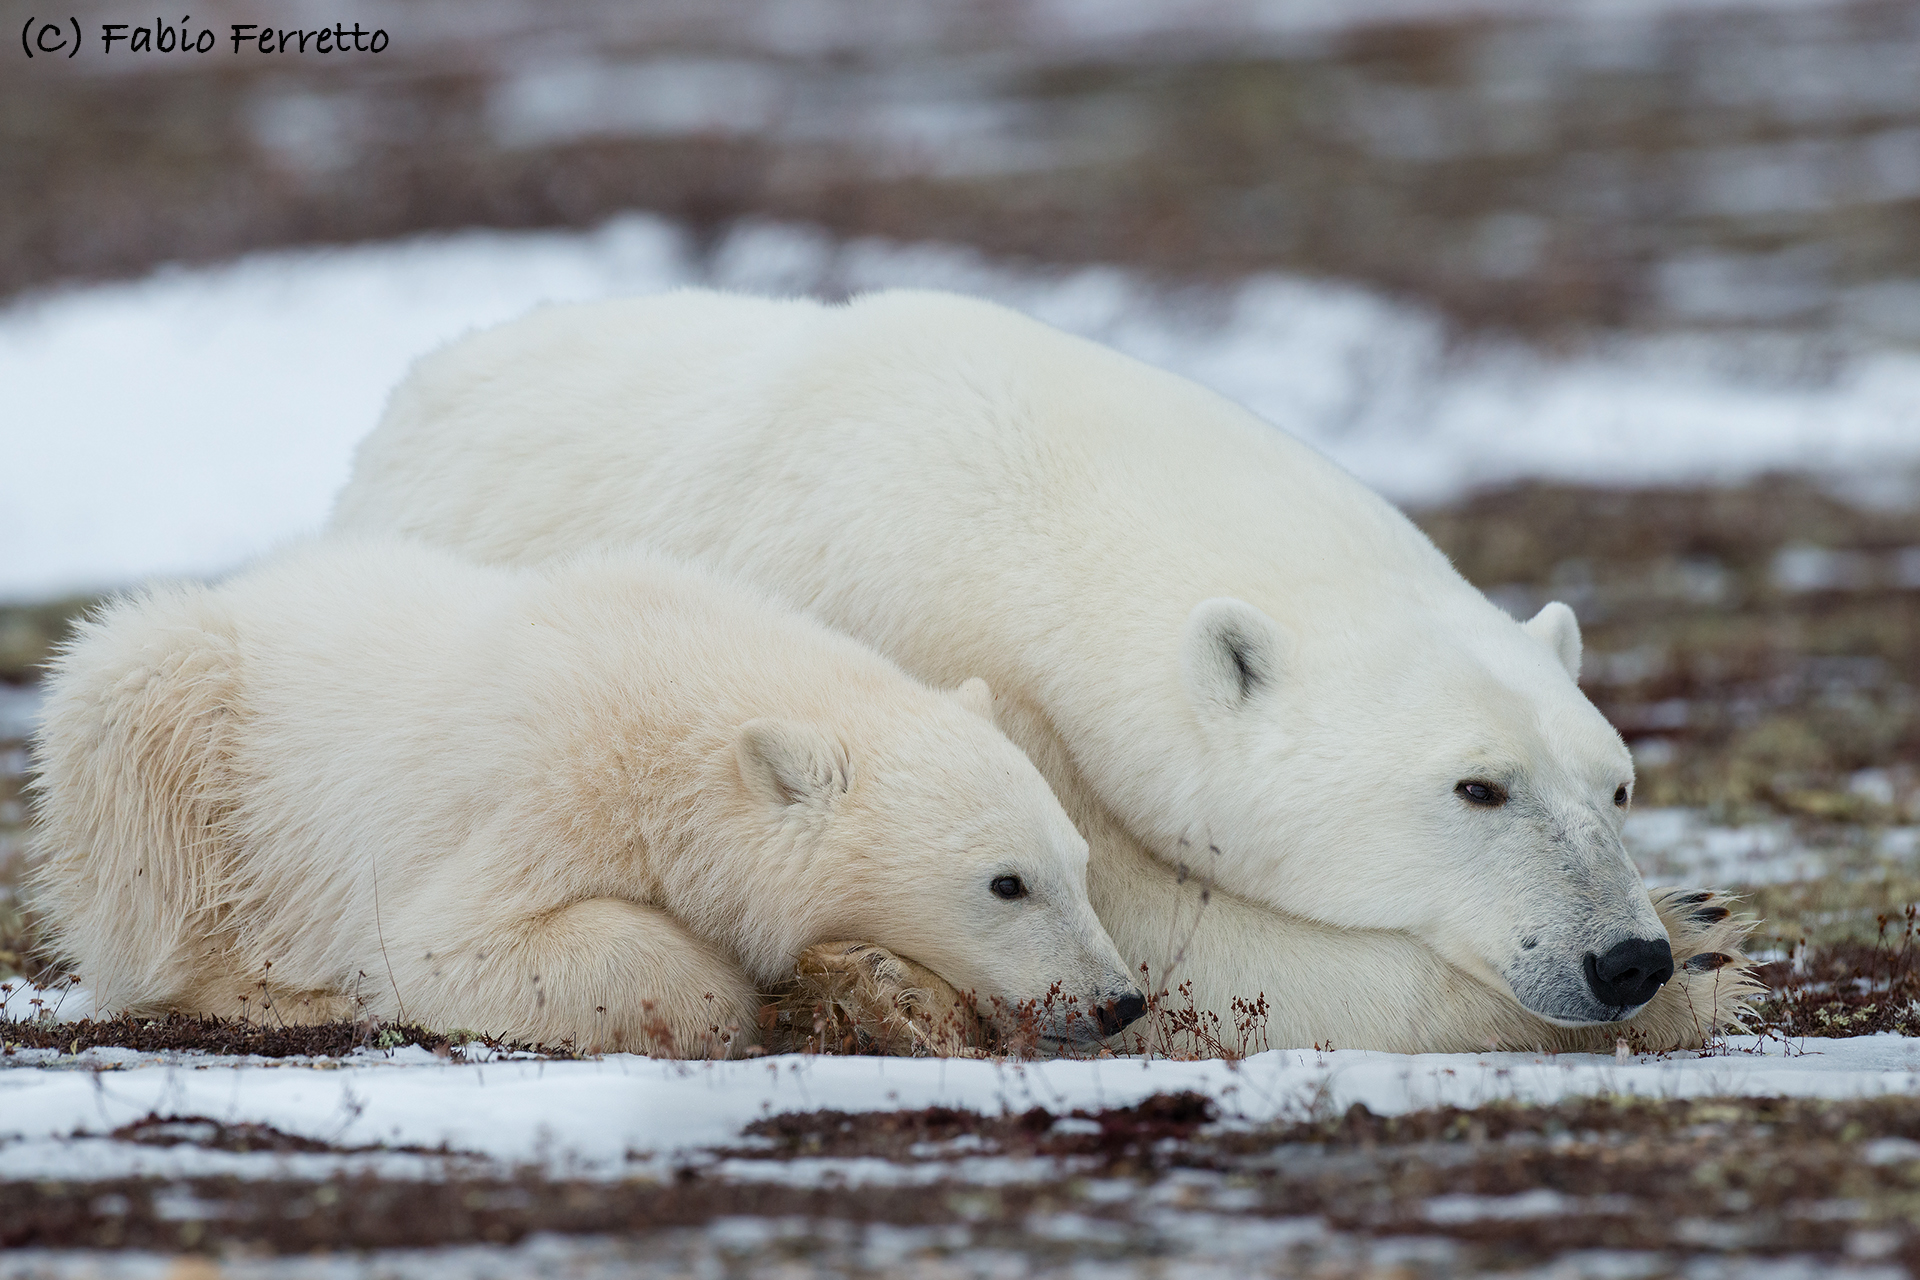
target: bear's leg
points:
(858, 997)
(605, 975)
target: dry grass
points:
(180, 1032)
(1848, 987)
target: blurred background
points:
(1620, 298)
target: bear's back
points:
(737, 431)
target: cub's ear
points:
(787, 763)
(976, 697)
(1556, 627)
(1229, 651)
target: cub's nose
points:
(1117, 1014)
(1630, 972)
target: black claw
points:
(1708, 915)
(1708, 961)
(1693, 899)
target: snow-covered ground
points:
(183, 423)
(622, 1115)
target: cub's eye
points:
(1481, 793)
(1620, 796)
(1009, 887)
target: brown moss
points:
(180, 1032)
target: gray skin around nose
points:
(1629, 972)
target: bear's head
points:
(1416, 760)
(929, 833)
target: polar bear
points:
(600, 802)
(1238, 667)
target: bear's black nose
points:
(1630, 972)
(1116, 1014)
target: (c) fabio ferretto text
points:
(58, 39)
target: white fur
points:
(1207, 635)
(598, 801)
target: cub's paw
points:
(1712, 987)
(855, 997)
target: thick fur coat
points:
(1246, 675)
(607, 801)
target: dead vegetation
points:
(1498, 1187)
(1846, 988)
(180, 1032)
(846, 1023)
(1118, 1133)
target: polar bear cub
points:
(603, 801)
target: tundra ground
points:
(1594, 1187)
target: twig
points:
(381, 934)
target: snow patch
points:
(622, 1115)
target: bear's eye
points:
(1488, 794)
(1009, 887)
(1620, 796)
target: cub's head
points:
(1428, 765)
(926, 831)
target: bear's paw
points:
(1712, 990)
(857, 997)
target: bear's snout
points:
(1629, 972)
(1116, 1015)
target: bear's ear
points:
(1556, 627)
(976, 697)
(1229, 651)
(786, 763)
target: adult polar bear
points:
(1206, 635)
